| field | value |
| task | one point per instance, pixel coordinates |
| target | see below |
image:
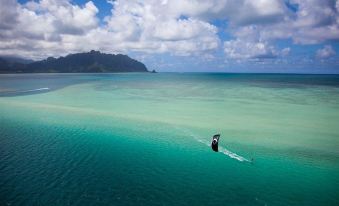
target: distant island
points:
(90, 62)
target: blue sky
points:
(295, 36)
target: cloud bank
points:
(240, 29)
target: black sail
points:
(215, 142)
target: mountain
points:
(7, 66)
(14, 59)
(90, 62)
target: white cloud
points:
(249, 44)
(238, 49)
(148, 26)
(8, 15)
(314, 22)
(51, 27)
(285, 51)
(258, 12)
(43, 28)
(177, 27)
(325, 52)
(40, 27)
(181, 29)
(241, 12)
(61, 17)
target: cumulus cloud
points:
(51, 27)
(249, 44)
(238, 12)
(149, 27)
(258, 12)
(325, 52)
(316, 21)
(238, 49)
(310, 22)
(38, 29)
(313, 22)
(8, 15)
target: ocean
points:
(144, 139)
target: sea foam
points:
(35, 90)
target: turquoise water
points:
(143, 139)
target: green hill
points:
(91, 62)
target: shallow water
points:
(143, 139)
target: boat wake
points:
(23, 92)
(222, 150)
(35, 90)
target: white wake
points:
(34, 90)
(221, 149)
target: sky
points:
(274, 36)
